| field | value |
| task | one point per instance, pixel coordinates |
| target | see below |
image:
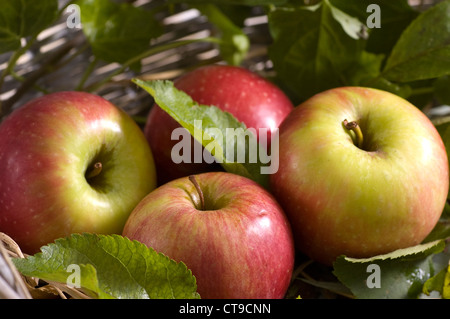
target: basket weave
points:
(57, 44)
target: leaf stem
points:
(86, 74)
(22, 80)
(422, 90)
(46, 66)
(12, 63)
(353, 126)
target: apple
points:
(226, 228)
(252, 99)
(70, 162)
(362, 172)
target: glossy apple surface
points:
(239, 245)
(48, 185)
(359, 201)
(250, 98)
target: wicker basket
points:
(56, 45)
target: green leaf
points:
(439, 283)
(394, 17)
(111, 267)
(313, 47)
(351, 25)
(24, 18)
(234, 43)
(117, 32)
(236, 13)
(365, 68)
(423, 50)
(397, 275)
(366, 72)
(381, 83)
(209, 125)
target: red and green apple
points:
(226, 228)
(250, 98)
(361, 172)
(70, 162)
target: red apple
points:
(70, 162)
(250, 98)
(364, 189)
(237, 240)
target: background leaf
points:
(24, 18)
(311, 50)
(402, 272)
(117, 32)
(234, 43)
(395, 16)
(439, 283)
(112, 267)
(423, 50)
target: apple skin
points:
(359, 202)
(241, 246)
(46, 148)
(252, 99)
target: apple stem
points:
(95, 170)
(199, 191)
(353, 126)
